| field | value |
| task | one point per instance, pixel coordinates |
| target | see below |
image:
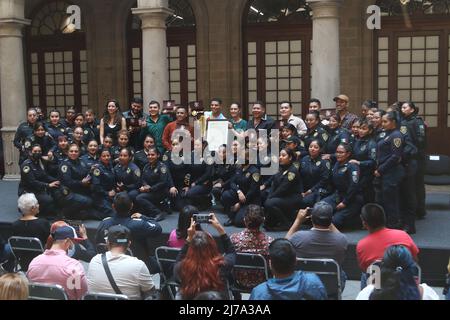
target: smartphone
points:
(308, 212)
(202, 218)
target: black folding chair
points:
(25, 249)
(329, 272)
(166, 258)
(249, 267)
(104, 296)
(43, 291)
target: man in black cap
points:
(323, 240)
(127, 275)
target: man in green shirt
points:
(155, 125)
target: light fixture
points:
(256, 10)
(67, 26)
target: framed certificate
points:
(216, 133)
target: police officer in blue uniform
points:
(142, 228)
(315, 175)
(42, 138)
(91, 157)
(127, 175)
(54, 126)
(140, 157)
(59, 155)
(243, 191)
(315, 130)
(155, 185)
(346, 199)
(24, 131)
(284, 197)
(103, 185)
(389, 169)
(178, 175)
(34, 179)
(336, 137)
(222, 172)
(364, 155)
(76, 182)
(417, 131)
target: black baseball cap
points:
(118, 234)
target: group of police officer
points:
(62, 163)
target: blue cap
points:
(66, 232)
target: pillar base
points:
(10, 154)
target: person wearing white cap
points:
(347, 118)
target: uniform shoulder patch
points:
(256, 176)
(318, 163)
(291, 176)
(247, 174)
(315, 134)
(62, 130)
(403, 129)
(325, 136)
(382, 135)
(355, 176)
(297, 165)
(27, 144)
(397, 142)
(96, 172)
(137, 172)
(163, 169)
(26, 169)
(165, 157)
(328, 165)
(64, 169)
(86, 132)
(128, 170)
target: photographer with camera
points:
(200, 266)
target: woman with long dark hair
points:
(200, 265)
(315, 130)
(177, 237)
(112, 121)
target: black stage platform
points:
(433, 235)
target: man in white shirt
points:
(130, 274)
(287, 116)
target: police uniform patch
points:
(291, 176)
(128, 170)
(163, 170)
(403, 130)
(363, 148)
(296, 165)
(26, 169)
(344, 169)
(328, 165)
(317, 163)
(382, 135)
(247, 174)
(65, 192)
(165, 157)
(325, 136)
(256, 176)
(86, 132)
(96, 172)
(137, 173)
(355, 176)
(398, 142)
(62, 130)
(64, 169)
(315, 134)
(27, 144)
(156, 170)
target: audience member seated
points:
(13, 286)
(54, 266)
(200, 266)
(129, 275)
(372, 247)
(322, 241)
(142, 228)
(84, 250)
(398, 279)
(29, 225)
(251, 240)
(287, 283)
(177, 237)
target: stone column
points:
(12, 81)
(325, 51)
(153, 14)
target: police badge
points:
(163, 170)
(96, 172)
(26, 169)
(355, 176)
(64, 169)
(397, 142)
(256, 176)
(403, 130)
(291, 176)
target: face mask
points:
(36, 156)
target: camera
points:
(202, 218)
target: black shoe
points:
(229, 223)
(161, 216)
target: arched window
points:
(412, 52)
(181, 53)
(277, 47)
(58, 74)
